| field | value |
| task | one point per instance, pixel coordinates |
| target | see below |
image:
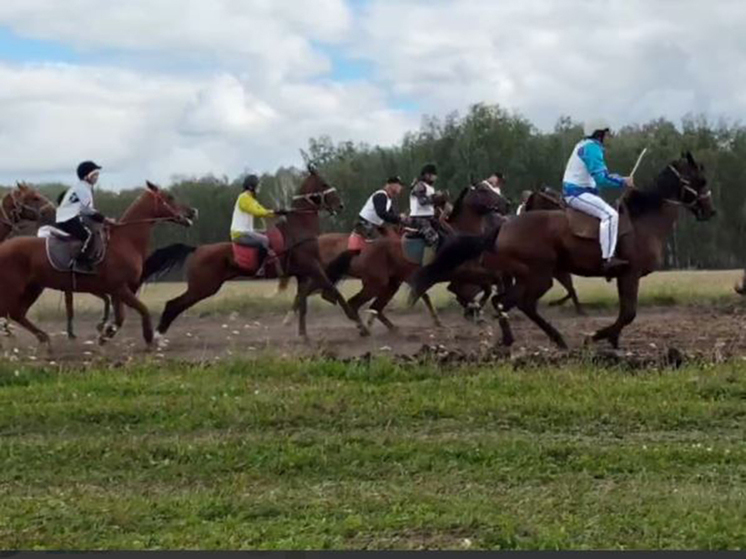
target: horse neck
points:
(657, 225)
(137, 234)
(303, 225)
(468, 221)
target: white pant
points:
(595, 206)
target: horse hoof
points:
(364, 332)
(100, 327)
(71, 336)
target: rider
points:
(377, 210)
(242, 225)
(525, 195)
(586, 171)
(421, 204)
(495, 182)
(76, 206)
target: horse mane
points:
(639, 202)
(458, 205)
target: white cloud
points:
(196, 86)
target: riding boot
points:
(84, 260)
(613, 266)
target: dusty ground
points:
(711, 333)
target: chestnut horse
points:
(22, 204)
(535, 246)
(212, 265)
(382, 266)
(27, 271)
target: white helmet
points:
(591, 125)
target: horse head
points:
(318, 193)
(166, 207)
(483, 200)
(27, 204)
(684, 181)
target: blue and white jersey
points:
(586, 170)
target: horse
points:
(27, 270)
(548, 199)
(535, 246)
(382, 266)
(210, 266)
(20, 205)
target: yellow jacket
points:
(246, 209)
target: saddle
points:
(356, 242)
(415, 249)
(586, 226)
(247, 258)
(63, 249)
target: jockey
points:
(75, 206)
(421, 206)
(242, 225)
(585, 173)
(495, 182)
(377, 210)
(525, 195)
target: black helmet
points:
(250, 182)
(86, 168)
(429, 169)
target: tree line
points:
(469, 147)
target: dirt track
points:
(708, 333)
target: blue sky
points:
(162, 88)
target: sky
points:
(157, 89)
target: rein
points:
(685, 185)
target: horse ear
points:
(312, 169)
(21, 186)
(690, 159)
(151, 186)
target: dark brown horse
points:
(212, 265)
(27, 271)
(382, 266)
(537, 245)
(548, 199)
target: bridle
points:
(686, 188)
(159, 200)
(321, 204)
(15, 215)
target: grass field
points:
(327, 455)
(663, 288)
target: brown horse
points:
(19, 206)
(536, 245)
(212, 265)
(547, 199)
(382, 266)
(27, 271)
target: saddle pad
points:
(247, 258)
(586, 226)
(356, 242)
(413, 249)
(62, 252)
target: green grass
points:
(315, 454)
(257, 297)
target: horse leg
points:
(19, 313)
(70, 312)
(431, 310)
(537, 286)
(565, 280)
(320, 279)
(110, 330)
(380, 303)
(130, 299)
(627, 287)
(5, 325)
(196, 292)
(301, 305)
(107, 309)
(293, 310)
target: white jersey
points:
(418, 210)
(368, 213)
(78, 200)
(576, 172)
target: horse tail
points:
(338, 267)
(456, 251)
(165, 259)
(741, 287)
